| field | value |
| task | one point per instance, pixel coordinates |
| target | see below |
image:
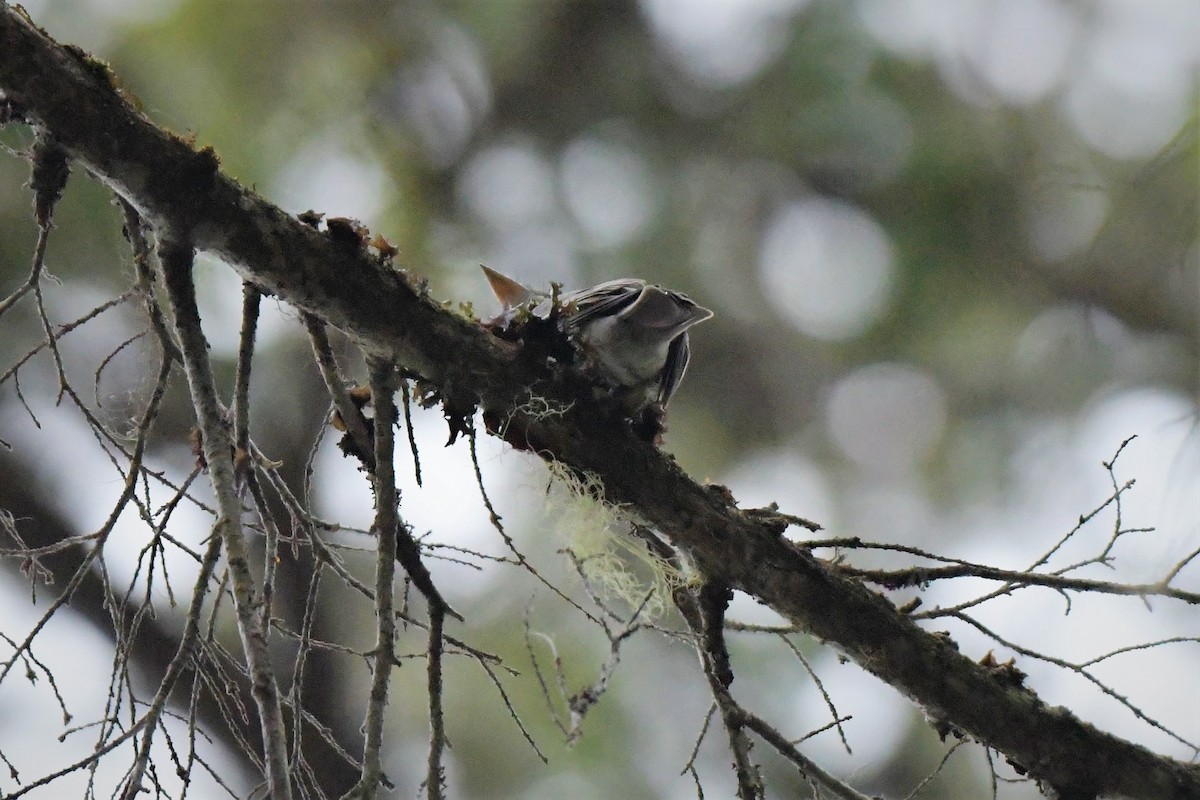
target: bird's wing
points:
(678, 355)
(602, 300)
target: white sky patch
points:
(80, 658)
(448, 505)
(219, 293)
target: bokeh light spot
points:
(508, 184)
(827, 268)
(722, 43)
(887, 417)
(608, 189)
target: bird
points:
(633, 333)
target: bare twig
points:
(351, 417)
(711, 601)
(808, 768)
(434, 773)
(934, 772)
(176, 260)
(406, 397)
(386, 528)
(183, 656)
(51, 168)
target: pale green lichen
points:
(613, 561)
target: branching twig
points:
(711, 601)
(183, 657)
(176, 260)
(1079, 670)
(51, 168)
(808, 768)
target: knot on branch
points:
(48, 178)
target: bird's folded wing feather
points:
(602, 300)
(678, 356)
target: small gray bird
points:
(632, 332)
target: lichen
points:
(615, 564)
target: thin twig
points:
(183, 656)
(434, 774)
(351, 417)
(176, 259)
(387, 524)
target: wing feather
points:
(602, 300)
(678, 355)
